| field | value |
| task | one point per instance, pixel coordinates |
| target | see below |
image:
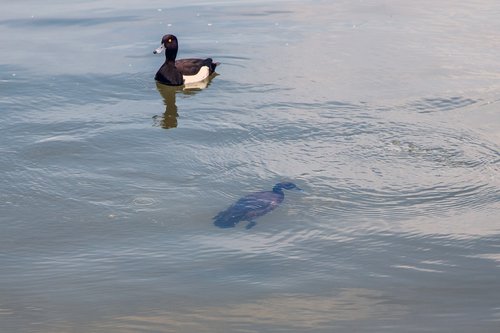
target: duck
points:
(253, 205)
(183, 71)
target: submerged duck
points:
(252, 206)
(183, 71)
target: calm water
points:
(385, 112)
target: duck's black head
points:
(170, 45)
(285, 185)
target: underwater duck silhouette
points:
(252, 206)
(183, 71)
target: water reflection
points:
(169, 117)
(290, 312)
(168, 93)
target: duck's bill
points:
(159, 50)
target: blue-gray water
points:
(385, 112)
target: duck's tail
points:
(226, 219)
(211, 64)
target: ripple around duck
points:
(423, 201)
(433, 181)
(358, 161)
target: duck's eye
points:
(169, 40)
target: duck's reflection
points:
(168, 93)
(169, 117)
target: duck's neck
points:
(278, 189)
(170, 55)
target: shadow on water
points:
(168, 93)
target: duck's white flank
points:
(202, 74)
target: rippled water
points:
(386, 113)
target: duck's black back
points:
(192, 66)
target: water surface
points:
(386, 113)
